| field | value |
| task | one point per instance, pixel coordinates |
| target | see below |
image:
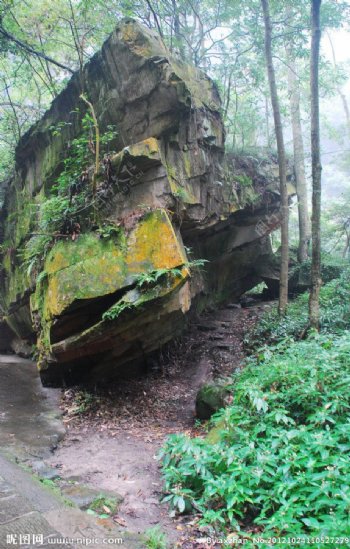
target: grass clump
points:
(155, 539)
(104, 506)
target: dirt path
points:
(114, 433)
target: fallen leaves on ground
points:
(162, 401)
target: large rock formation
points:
(103, 304)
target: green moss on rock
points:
(210, 398)
(91, 267)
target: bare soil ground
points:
(115, 432)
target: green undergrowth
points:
(331, 268)
(278, 464)
(334, 307)
(69, 206)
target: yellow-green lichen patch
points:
(148, 148)
(145, 154)
(183, 193)
(179, 172)
(91, 267)
(67, 253)
(154, 245)
(130, 309)
(187, 163)
(87, 268)
(138, 41)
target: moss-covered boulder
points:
(85, 497)
(210, 398)
(299, 273)
(98, 303)
(93, 289)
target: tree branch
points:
(14, 111)
(32, 51)
(155, 19)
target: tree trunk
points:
(179, 43)
(314, 308)
(283, 295)
(267, 122)
(299, 159)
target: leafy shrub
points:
(281, 460)
(81, 151)
(181, 194)
(84, 401)
(70, 197)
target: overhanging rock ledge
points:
(171, 187)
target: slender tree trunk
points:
(179, 42)
(156, 20)
(299, 159)
(314, 308)
(283, 295)
(267, 122)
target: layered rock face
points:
(101, 305)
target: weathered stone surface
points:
(31, 510)
(133, 84)
(299, 273)
(6, 338)
(21, 347)
(44, 471)
(30, 425)
(210, 398)
(84, 497)
(170, 184)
